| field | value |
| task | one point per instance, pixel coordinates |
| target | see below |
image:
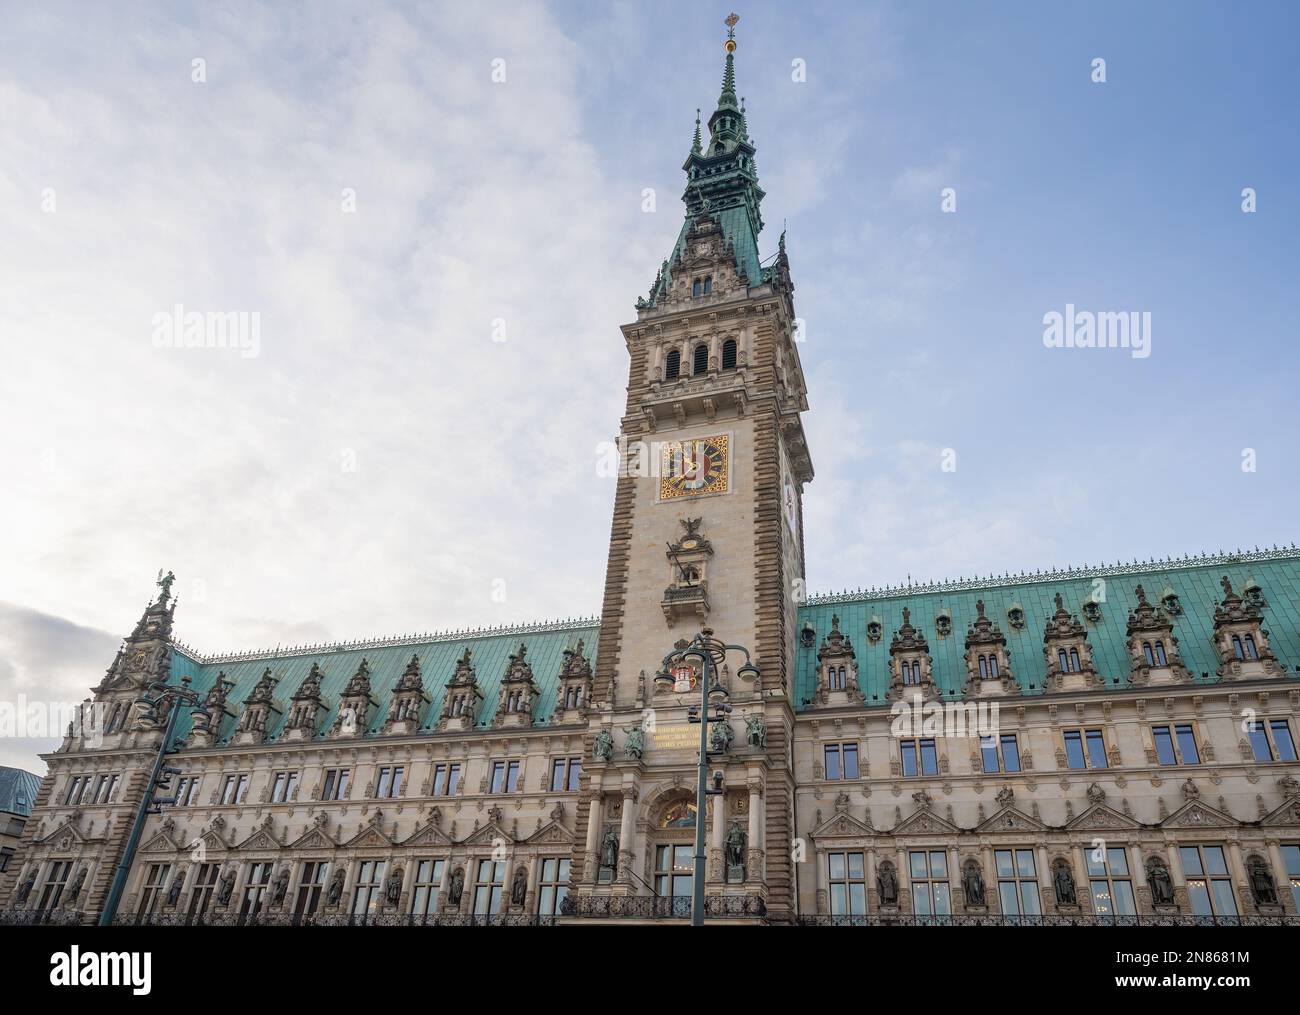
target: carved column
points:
(716, 835)
(954, 879)
(591, 858)
(1237, 864)
(1176, 875)
(1284, 893)
(626, 841)
(756, 852)
(1082, 882)
(992, 895)
(1138, 874)
(822, 886)
(1046, 890)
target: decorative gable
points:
(1101, 818)
(1197, 814)
(1009, 819)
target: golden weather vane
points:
(732, 19)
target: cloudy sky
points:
(437, 211)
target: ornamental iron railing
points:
(1047, 920)
(654, 907)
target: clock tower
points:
(707, 533)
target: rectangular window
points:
(674, 869)
(205, 883)
(505, 777)
(234, 788)
(446, 780)
(315, 875)
(1017, 882)
(1110, 883)
(552, 885)
(566, 774)
(1085, 749)
(284, 787)
(390, 781)
(259, 877)
(1209, 886)
(989, 754)
(187, 791)
(155, 886)
(918, 756)
(1291, 857)
(1176, 746)
(1010, 753)
(55, 880)
(336, 784)
(832, 754)
(424, 894)
(908, 750)
(931, 893)
(75, 787)
(1282, 742)
(106, 789)
(369, 888)
(847, 876)
(489, 878)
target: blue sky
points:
(472, 496)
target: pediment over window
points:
(160, 843)
(552, 831)
(925, 822)
(842, 825)
(1198, 814)
(487, 834)
(1009, 819)
(261, 840)
(428, 834)
(313, 838)
(1287, 814)
(1101, 818)
(67, 830)
(372, 835)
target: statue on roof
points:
(164, 582)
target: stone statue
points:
(456, 887)
(887, 884)
(226, 887)
(519, 888)
(602, 748)
(1063, 882)
(336, 889)
(25, 889)
(165, 583)
(393, 888)
(755, 730)
(736, 840)
(609, 850)
(281, 887)
(972, 884)
(174, 892)
(634, 748)
(1261, 882)
(720, 737)
(1162, 886)
(74, 889)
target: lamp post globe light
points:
(708, 653)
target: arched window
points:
(1074, 660)
(1146, 651)
(1064, 660)
(993, 666)
(708, 285)
(674, 365)
(1236, 647)
(729, 354)
(696, 288)
(1250, 647)
(701, 364)
(1161, 658)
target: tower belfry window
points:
(701, 359)
(674, 365)
(729, 354)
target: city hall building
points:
(1115, 743)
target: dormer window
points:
(1244, 647)
(700, 362)
(1154, 652)
(836, 678)
(708, 285)
(729, 354)
(912, 672)
(838, 668)
(1240, 639)
(988, 667)
(697, 288)
(1069, 663)
(1067, 653)
(673, 366)
(909, 661)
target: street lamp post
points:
(710, 653)
(148, 800)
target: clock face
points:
(692, 468)
(791, 505)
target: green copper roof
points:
(1196, 584)
(387, 660)
(18, 790)
(722, 181)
